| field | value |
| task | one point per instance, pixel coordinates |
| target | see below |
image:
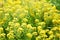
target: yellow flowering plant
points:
(29, 20)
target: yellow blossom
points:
(10, 35)
(22, 15)
(38, 38)
(2, 35)
(51, 36)
(58, 35)
(17, 2)
(24, 24)
(1, 22)
(54, 28)
(47, 39)
(42, 32)
(19, 30)
(41, 23)
(36, 20)
(50, 32)
(33, 28)
(35, 33)
(17, 24)
(29, 35)
(39, 28)
(25, 20)
(47, 30)
(29, 26)
(1, 29)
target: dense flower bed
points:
(29, 20)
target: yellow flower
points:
(25, 11)
(1, 22)
(10, 1)
(10, 35)
(36, 20)
(41, 23)
(51, 36)
(7, 29)
(29, 35)
(47, 7)
(29, 26)
(58, 21)
(39, 28)
(11, 28)
(38, 38)
(34, 28)
(35, 33)
(47, 30)
(2, 35)
(17, 24)
(17, 2)
(24, 24)
(58, 35)
(32, 13)
(22, 15)
(47, 39)
(54, 8)
(59, 28)
(37, 14)
(55, 21)
(50, 32)
(14, 15)
(54, 28)
(36, 5)
(44, 35)
(25, 20)
(11, 23)
(19, 30)
(42, 32)
(11, 31)
(15, 19)
(1, 29)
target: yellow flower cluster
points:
(10, 35)
(29, 20)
